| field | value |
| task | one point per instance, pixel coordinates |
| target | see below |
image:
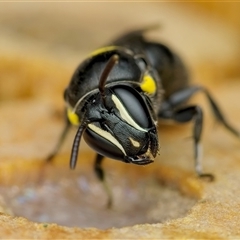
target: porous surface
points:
(41, 44)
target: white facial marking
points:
(124, 114)
(107, 136)
(134, 142)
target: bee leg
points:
(101, 176)
(183, 95)
(219, 115)
(168, 111)
(60, 142)
(50, 157)
(194, 113)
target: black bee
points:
(118, 93)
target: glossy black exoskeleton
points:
(117, 95)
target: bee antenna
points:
(109, 66)
(76, 143)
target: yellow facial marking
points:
(73, 117)
(102, 50)
(134, 142)
(148, 85)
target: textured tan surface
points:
(40, 46)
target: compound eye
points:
(103, 142)
(134, 105)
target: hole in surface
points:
(77, 198)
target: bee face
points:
(122, 128)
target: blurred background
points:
(41, 44)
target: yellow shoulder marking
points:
(148, 84)
(103, 49)
(73, 117)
